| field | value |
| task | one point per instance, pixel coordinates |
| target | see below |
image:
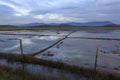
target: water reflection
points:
(42, 70)
(49, 38)
(73, 51)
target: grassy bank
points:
(7, 73)
(88, 72)
(58, 28)
(18, 28)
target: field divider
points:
(93, 38)
(43, 50)
(28, 34)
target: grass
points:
(60, 28)
(27, 28)
(88, 72)
(7, 73)
(93, 38)
(12, 29)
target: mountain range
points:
(95, 23)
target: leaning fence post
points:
(96, 58)
(95, 65)
(21, 49)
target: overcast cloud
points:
(58, 11)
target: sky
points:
(58, 11)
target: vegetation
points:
(7, 73)
(88, 72)
(116, 39)
(62, 27)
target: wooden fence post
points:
(95, 65)
(21, 50)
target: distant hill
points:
(95, 23)
(71, 24)
(7, 26)
(31, 24)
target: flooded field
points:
(78, 48)
(43, 70)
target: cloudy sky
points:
(58, 11)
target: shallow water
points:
(79, 52)
(42, 70)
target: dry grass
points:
(7, 73)
(93, 38)
(60, 28)
(88, 72)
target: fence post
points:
(21, 50)
(95, 65)
(96, 58)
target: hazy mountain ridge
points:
(95, 23)
(88, 24)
